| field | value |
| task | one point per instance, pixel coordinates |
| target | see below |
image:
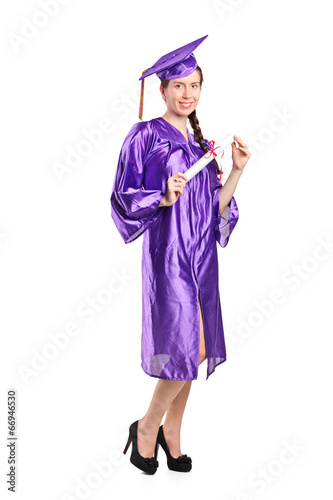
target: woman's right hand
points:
(174, 189)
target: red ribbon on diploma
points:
(211, 151)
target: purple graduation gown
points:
(179, 253)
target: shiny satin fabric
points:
(179, 252)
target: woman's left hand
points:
(240, 155)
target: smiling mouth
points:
(186, 104)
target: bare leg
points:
(202, 345)
(173, 420)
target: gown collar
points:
(171, 133)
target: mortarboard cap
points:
(176, 64)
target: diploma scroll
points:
(209, 156)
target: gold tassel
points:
(141, 95)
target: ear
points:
(162, 90)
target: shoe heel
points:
(127, 444)
(156, 450)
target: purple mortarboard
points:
(176, 64)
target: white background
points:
(59, 248)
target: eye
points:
(194, 85)
(178, 85)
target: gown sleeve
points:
(225, 222)
(134, 208)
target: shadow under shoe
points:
(148, 465)
(181, 464)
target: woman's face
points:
(182, 94)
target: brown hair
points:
(194, 122)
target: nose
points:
(186, 93)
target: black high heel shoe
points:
(181, 464)
(149, 464)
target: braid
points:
(194, 122)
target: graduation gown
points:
(179, 250)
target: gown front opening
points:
(179, 251)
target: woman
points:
(181, 224)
